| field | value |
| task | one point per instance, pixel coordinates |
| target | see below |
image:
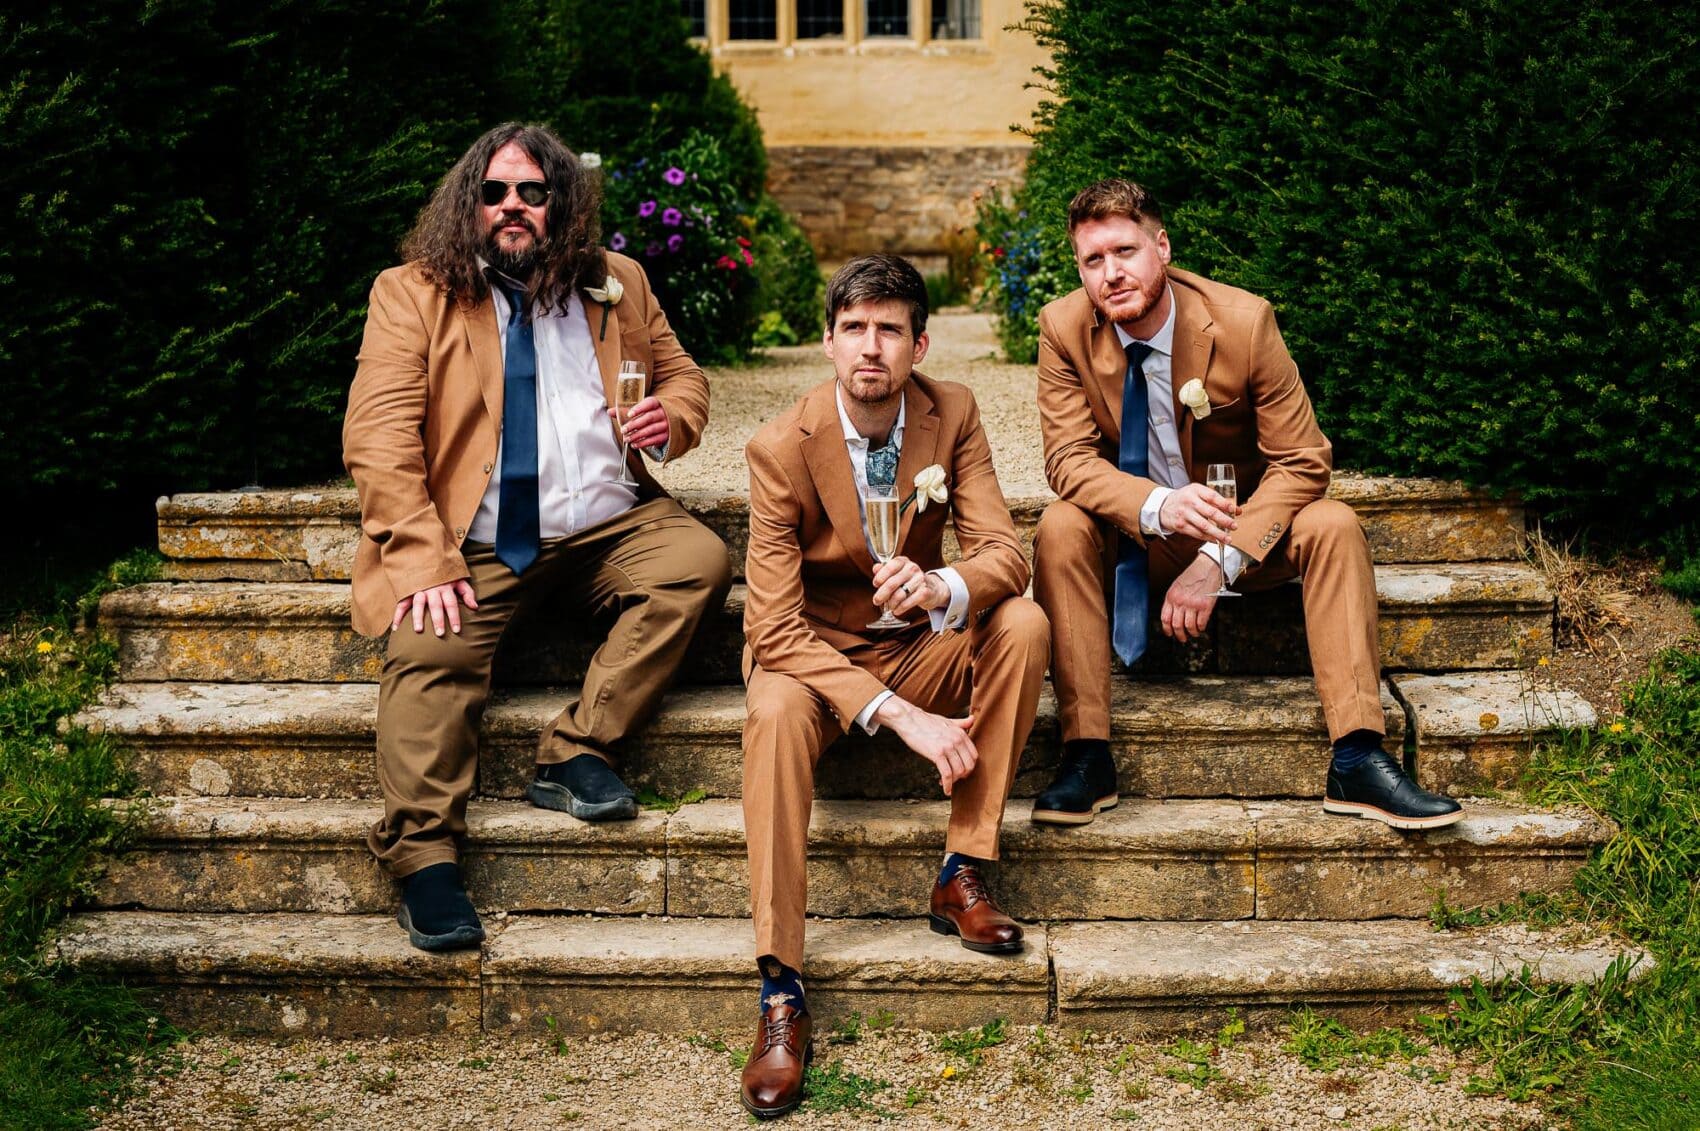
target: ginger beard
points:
(1123, 266)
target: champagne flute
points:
(1219, 477)
(628, 391)
(884, 513)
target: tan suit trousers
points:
(993, 671)
(1074, 572)
(655, 568)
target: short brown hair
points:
(874, 278)
(1114, 196)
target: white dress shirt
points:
(952, 616)
(1165, 465)
(578, 459)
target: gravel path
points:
(963, 349)
(890, 1078)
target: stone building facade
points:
(882, 117)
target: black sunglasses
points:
(531, 192)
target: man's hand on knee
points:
(1198, 512)
(941, 741)
(1190, 600)
(442, 601)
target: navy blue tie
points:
(1128, 631)
(517, 524)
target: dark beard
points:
(517, 264)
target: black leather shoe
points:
(1379, 789)
(435, 912)
(1085, 783)
(585, 787)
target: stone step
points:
(1476, 730)
(1433, 618)
(311, 535)
(1198, 736)
(293, 976)
(1173, 860)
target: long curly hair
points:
(451, 232)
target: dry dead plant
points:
(1591, 602)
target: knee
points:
(1327, 521)
(779, 713)
(1066, 532)
(704, 563)
(1025, 625)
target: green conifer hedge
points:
(1479, 224)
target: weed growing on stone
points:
(832, 1087)
(1323, 1044)
(649, 799)
(970, 1043)
(1623, 1052)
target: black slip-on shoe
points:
(1085, 785)
(1378, 788)
(584, 786)
(435, 912)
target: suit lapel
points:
(835, 482)
(1192, 346)
(484, 338)
(1109, 371)
(607, 342)
(920, 445)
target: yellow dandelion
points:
(1617, 728)
(947, 1072)
(44, 647)
(1543, 662)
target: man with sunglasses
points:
(489, 463)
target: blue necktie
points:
(1133, 570)
(517, 524)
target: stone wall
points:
(913, 200)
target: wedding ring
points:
(904, 589)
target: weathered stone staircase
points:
(1218, 883)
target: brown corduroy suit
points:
(420, 439)
(1261, 421)
(811, 664)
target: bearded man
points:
(1148, 374)
(490, 466)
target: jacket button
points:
(460, 532)
(488, 468)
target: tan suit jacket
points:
(425, 415)
(1261, 419)
(809, 569)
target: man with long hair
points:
(1147, 375)
(489, 466)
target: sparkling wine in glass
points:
(628, 391)
(1219, 477)
(883, 517)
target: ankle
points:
(1352, 750)
(780, 985)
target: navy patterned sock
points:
(778, 983)
(1351, 750)
(952, 862)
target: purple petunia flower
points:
(617, 241)
(646, 209)
(675, 242)
(671, 217)
(674, 176)
(653, 249)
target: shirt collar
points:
(1163, 341)
(854, 438)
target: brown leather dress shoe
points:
(964, 907)
(772, 1083)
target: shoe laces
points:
(973, 885)
(776, 1029)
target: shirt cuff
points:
(1151, 514)
(865, 717)
(954, 615)
(1236, 559)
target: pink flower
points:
(646, 209)
(743, 241)
(671, 217)
(748, 262)
(675, 242)
(726, 263)
(674, 176)
(617, 241)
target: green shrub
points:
(1479, 224)
(791, 287)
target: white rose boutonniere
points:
(610, 292)
(929, 487)
(1195, 398)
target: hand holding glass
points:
(628, 391)
(883, 515)
(1219, 477)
